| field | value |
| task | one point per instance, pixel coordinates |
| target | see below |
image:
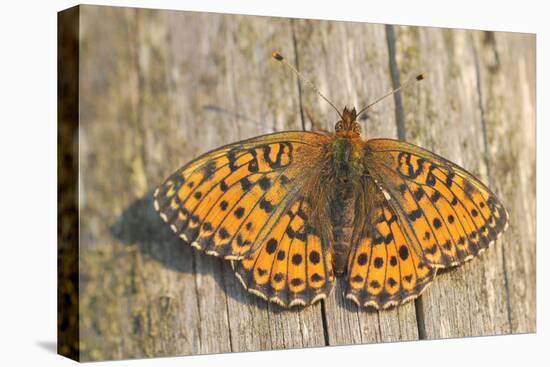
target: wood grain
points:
(158, 88)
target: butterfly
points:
(294, 209)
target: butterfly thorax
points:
(347, 146)
(346, 157)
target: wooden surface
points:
(159, 88)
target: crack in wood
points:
(396, 82)
(295, 49)
(401, 134)
(197, 296)
(488, 165)
(302, 118)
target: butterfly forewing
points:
(447, 214)
(225, 201)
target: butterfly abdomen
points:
(342, 216)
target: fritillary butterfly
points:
(293, 209)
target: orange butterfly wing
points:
(263, 202)
(384, 270)
(227, 200)
(293, 266)
(248, 202)
(446, 213)
(422, 213)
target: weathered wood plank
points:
(448, 116)
(200, 94)
(159, 88)
(445, 118)
(123, 302)
(507, 87)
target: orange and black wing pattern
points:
(293, 265)
(446, 213)
(227, 200)
(384, 270)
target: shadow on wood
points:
(140, 225)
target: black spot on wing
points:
(419, 193)
(297, 259)
(266, 205)
(284, 180)
(264, 183)
(245, 184)
(239, 212)
(403, 252)
(314, 257)
(415, 214)
(209, 169)
(271, 246)
(430, 177)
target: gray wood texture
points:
(158, 88)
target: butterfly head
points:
(348, 124)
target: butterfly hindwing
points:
(383, 268)
(292, 266)
(447, 214)
(226, 200)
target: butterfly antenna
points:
(419, 77)
(277, 56)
